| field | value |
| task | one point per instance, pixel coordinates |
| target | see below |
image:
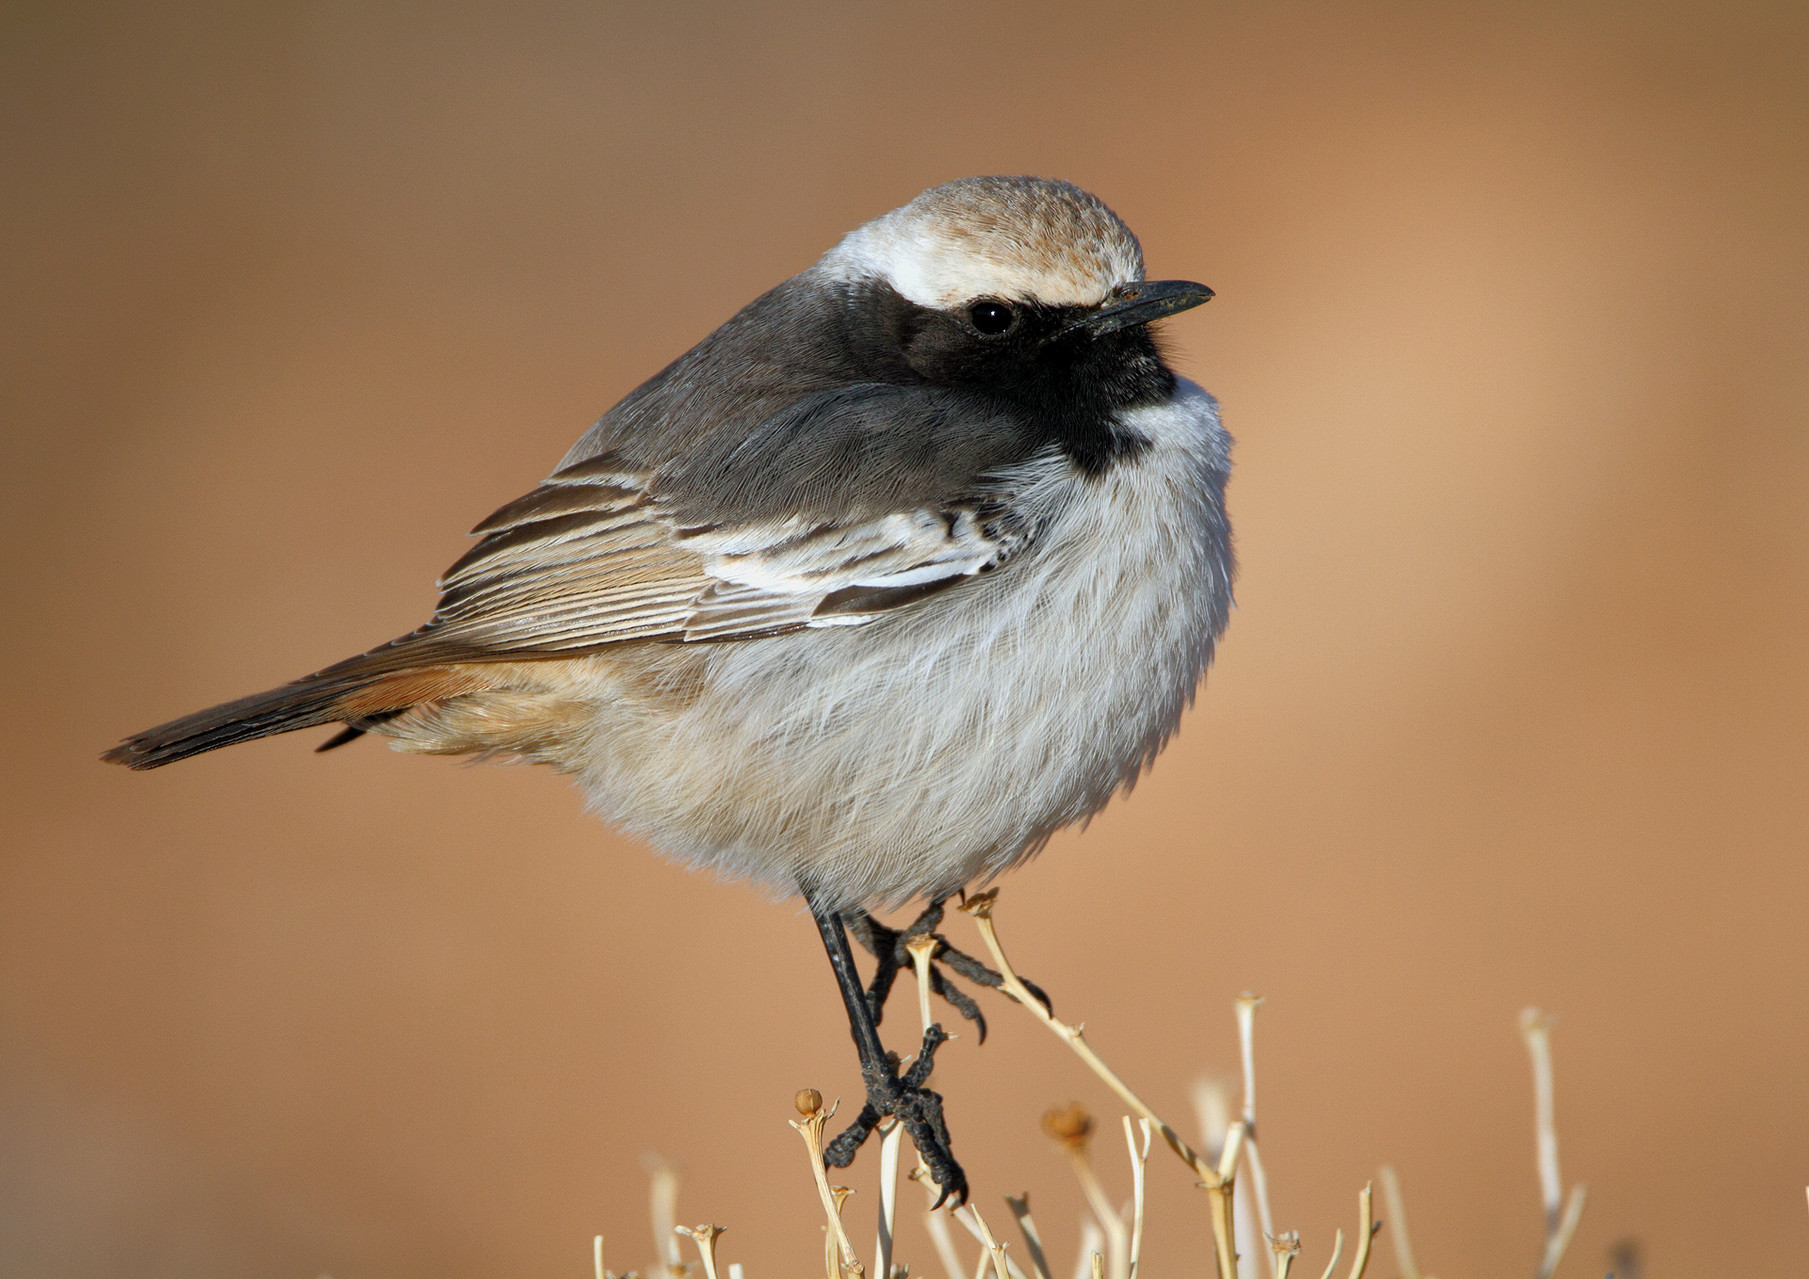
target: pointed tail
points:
(307, 703)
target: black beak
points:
(1139, 303)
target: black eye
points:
(992, 318)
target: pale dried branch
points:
(663, 1193)
(1337, 1252)
(1072, 1128)
(1222, 1194)
(935, 1221)
(980, 906)
(1367, 1232)
(1397, 1224)
(705, 1239)
(1567, 1226)
(1213, 1110)
(809, 1104)
(888, 1199)
(1247, 1004)
(1283, 1248)
(1561, 1213)
(1139, 1158)
(1220, 1181)
(921, 948)
(1091, 1241)
(1002, 1268)
(1033, 1241)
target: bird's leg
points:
(890, 948)
(917, 1107)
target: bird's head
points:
(1003, 283)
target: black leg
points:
(916, 1106)
(890, 950)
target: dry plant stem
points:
(1535, 1026)
(1283, 1249)
(995, 1251)
(810, 1128)
(1561, 1215)
(1337, 1252)
(705, 1239)
(921, 949)
(1567, 1226)
(664, 1194)
(980, 907)
(1033, 1241)
(1222, 1194)
(1367, 1232)
(735, 1271)
(935, 1220)
(1139, 1157)
(596, 1258)
(1247, 1004)
(888, 1199)
(1091, 1241)
(1098, 1266)
(1118, 1244)
(1218, 1181)
(1397, 1224)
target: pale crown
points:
(1020, 238)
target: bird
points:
(916, 560)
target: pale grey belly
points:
(934, 747)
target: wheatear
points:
(913, 562)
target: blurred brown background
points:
(1512, 328)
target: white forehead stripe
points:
(1021, 238)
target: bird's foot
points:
(919, 1108)
(891, 951)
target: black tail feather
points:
(307, 703)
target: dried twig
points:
(1247, 1004)
(705, 1239)
(993, 1250)
(1072, 1128)
(935, 1220)
(1219, 1181)
(1337, 1252)
(1088, 1255)
(663, 1193)
(921, 949)
(1561, 1214)
(1366, 1234)
(1033, 1241)
(1283, 1248)
(1212, 1110)
(888, 1199)
(1139, 1157)
(809, 1104)
(1397, 1224)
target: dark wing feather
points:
(847, 505)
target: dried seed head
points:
(1071, 1125)
(808, 1101)
(980, 904)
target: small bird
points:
(913, 562)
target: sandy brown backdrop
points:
(1512, 329)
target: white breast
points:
(938, 747)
